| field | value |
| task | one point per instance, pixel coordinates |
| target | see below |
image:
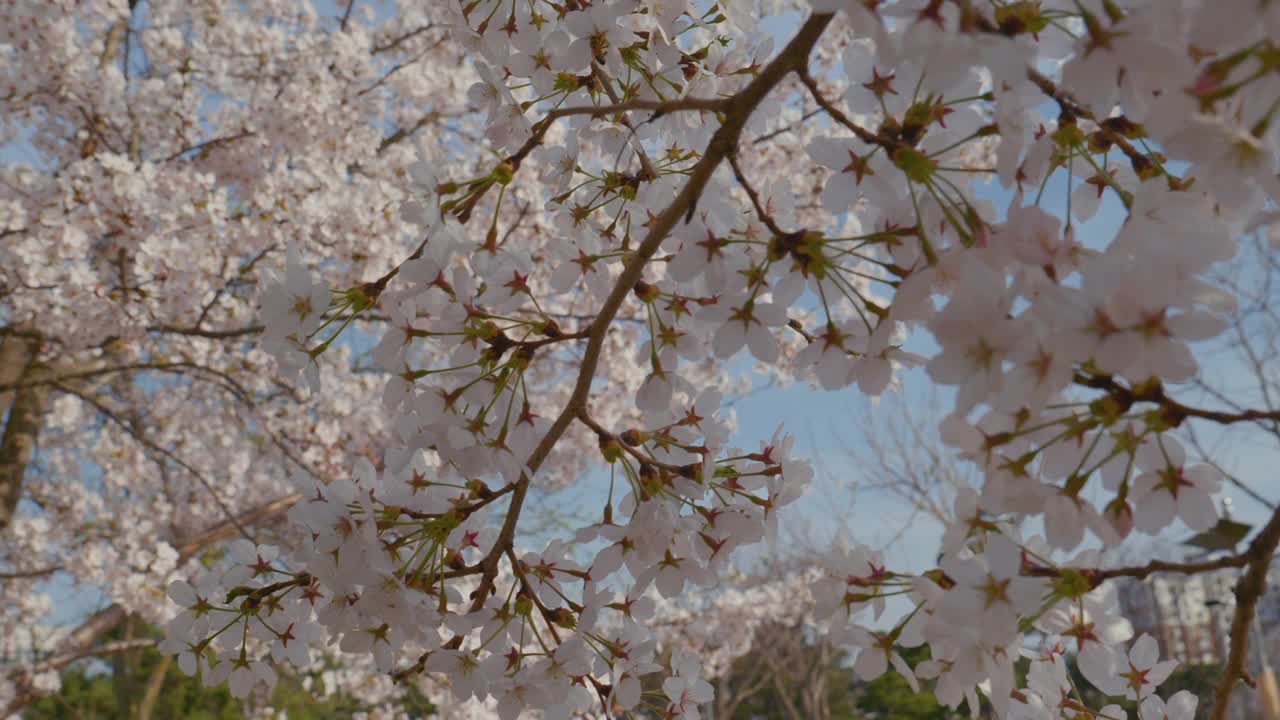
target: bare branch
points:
(207, 145)
(213, 334)
(26, 574)
(346, 15)
(399, 40)
(229, 528)
(660, 107)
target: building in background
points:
(1188, 615)
(1190, 618)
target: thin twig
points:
(154, 447)
(1175, 412)
(346, 16)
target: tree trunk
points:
(25, 417)
(148, 705)
(122, 671)
(15, 353)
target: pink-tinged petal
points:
(871, 663)
(1003, 556)
(1197, 509)
(1195, 325)
(627, 691)
(905, 671)
(1154, 511)
(1182, 706)
(1145, 652)
(763, 345)
(1161, 672)
(832, 368)
(873, 375)
(182, 593)
(840, 193)
(729, 339)
(1205, 477)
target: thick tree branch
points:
(228, 528)
(61, 659)
(21, 429)
(660, 107)
(28, 574)
(212, 334)
(148, 705)
(48, 380)
(15, 352)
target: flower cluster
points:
(1060, 350)
(583, 237)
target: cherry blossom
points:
(513, 251)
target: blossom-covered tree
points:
(519, 244)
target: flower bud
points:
(564, 617)
(692, 471)
(524, 603)
(521, 358)
(634, 437)
(916, 165)
(646, 292)
(551, 329)
(1071, 583)
(479, 489)
(503, 173)
(650, 482)
(1119, 515)
(610, 448)
(454, 560)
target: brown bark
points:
(148, 705)
(25, 416)
(15, 353)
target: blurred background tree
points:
(142, 684)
